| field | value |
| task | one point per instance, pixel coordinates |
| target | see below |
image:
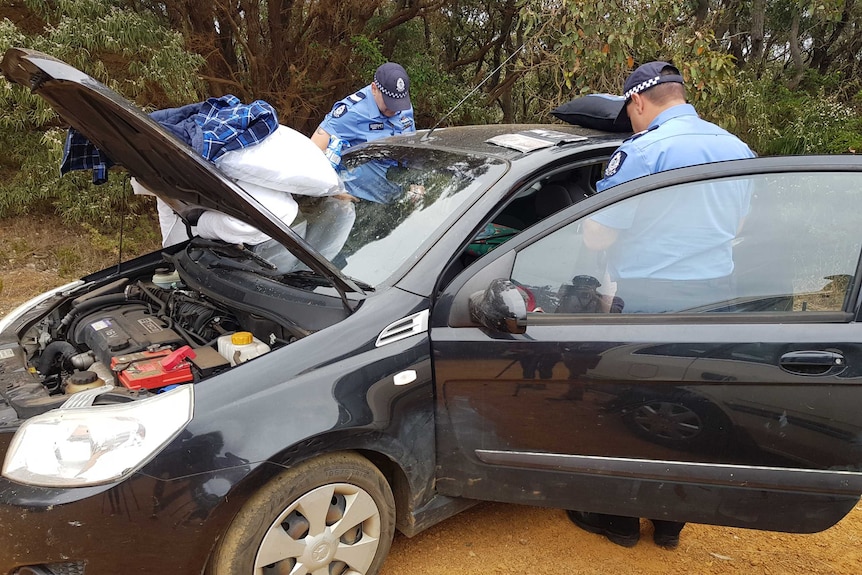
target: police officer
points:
(669, 134)
(380, 109)
(700, 224)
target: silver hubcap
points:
(331, 530)
(668, 420)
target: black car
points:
(462, 344)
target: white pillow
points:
(286, 160)
(219, 226)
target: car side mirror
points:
(500, 307)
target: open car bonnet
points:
(162, 163)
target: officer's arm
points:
(597, 236)
(321, 138)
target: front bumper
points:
(143, 526)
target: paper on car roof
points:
(530, 140)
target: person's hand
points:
(415, 192)
(346, 196)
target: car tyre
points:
(333, 514)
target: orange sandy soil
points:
(514, 539)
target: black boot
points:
(621, 530)
(666, 533)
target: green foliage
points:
(139, 234)
(798, 94)
(434, 91)
(438, 93)
(129, 52)
(449, 55)
(776, 120)
(593, 46)
(68, 260)
(367, 53)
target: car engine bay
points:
(184, 319)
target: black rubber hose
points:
(53, 350)
(89, 304)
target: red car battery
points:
(154, 369)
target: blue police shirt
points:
(677, 138)
(679, 233)
(357, 119)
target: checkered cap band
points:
(645, 85)
(390, 93)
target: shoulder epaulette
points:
(641, 133)
(356, 97)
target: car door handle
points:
(812, 362)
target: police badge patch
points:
(339, 110)
(375, 126)
(614, 163)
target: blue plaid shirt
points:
(80, 154)
(228, 124)
(213, 127)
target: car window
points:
(765, 243)
(543, 198)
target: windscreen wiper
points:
(237, 250)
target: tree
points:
(300, 56)
(128, 51)
(592, 46)
(786, 75)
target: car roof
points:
(475, 139)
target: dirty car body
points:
(424, 367)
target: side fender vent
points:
(405, 327)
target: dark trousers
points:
(663, 527)
(642, 295)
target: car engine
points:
(137, 336)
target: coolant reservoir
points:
(165, 278)
(240, 347)
(83, 380)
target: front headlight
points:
(93, 445)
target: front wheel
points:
(333, 515)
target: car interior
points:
(542, 199)
(549, 195)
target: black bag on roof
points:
(596, 111)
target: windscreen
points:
(398, 201)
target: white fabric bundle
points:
(287, 161)
(219, 226)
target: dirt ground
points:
(495, 538)
(514, 539)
